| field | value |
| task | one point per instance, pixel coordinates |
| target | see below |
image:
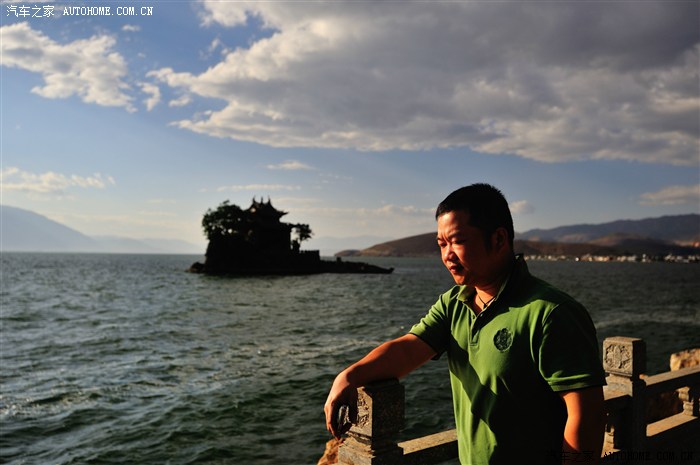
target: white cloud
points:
(139, 224)
(385, 211)
(384, 220)
(362, 212)
(154, 92)
(88, 68)
(157, 214)
(673, 195)
(258, 187)
(131, 28)
(399, 210)
(498, 77)
(181, 101)
(215, 44)
(50, 183)
(162, 201)
(290, 165)
(521, 207)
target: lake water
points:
(129, 359)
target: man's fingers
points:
(340, 408)
(343, 422)
(328, 408)
(339, 419)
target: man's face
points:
(463, 250)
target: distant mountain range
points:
(679, 229)
(676, 235)
(25, 231)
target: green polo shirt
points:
(508, 364)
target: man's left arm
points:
(585, 425)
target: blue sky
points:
(356, 117)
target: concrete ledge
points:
(434, 448)
(671, 380)
(680, 426)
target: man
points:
(523, 356)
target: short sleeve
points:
(434, 327)
(568, 354)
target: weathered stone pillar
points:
(689, 395)
(624, 359)
(372, 441)
(691, 400)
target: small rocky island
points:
(256, 242)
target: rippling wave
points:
(128, 359)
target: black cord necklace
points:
(485, 304)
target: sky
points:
(356, 117)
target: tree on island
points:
(254, 241)
(229, 220)
(303, 232)
(226, 220)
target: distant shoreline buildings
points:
(643, 258)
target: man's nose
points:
(447, 252)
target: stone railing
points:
(629, 396)
(381, 413)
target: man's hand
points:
(391, 360)
(342, 393)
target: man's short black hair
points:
(487, 208)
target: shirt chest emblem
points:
(503, 339)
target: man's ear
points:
(500, 238)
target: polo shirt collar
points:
(518, 271)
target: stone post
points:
(689, 395)
(624, 359)
(372, 441)
(691, 400)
